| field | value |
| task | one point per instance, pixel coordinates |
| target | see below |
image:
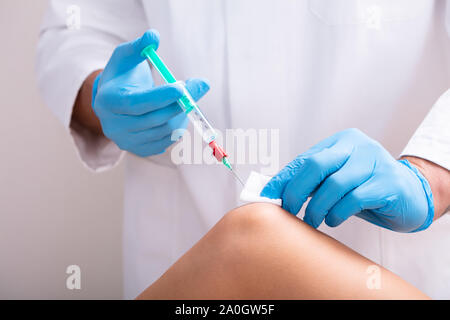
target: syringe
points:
(191, 109)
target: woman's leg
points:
(259, 251)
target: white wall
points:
(53, 212)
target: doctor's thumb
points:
(131, 51)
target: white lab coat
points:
(307, 68)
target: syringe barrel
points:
(186, 102)
(195, 115)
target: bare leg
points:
(259, 251)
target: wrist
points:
(427, 193)
(95, 88)
(83, 114)
(439, 181)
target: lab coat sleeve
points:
(431, 141)
(77, 38)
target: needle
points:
(237, 177)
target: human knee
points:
(244, 230)
(253, 218)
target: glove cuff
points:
(94, 89)
(428, 194)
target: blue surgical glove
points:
(350, 174)
(138, 116)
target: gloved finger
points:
(152, 134)
(139, 102)
(159, 132)
(151, 119)
(378, 219)
(275, 187)
(312, 173)
(368, 196)
(130, 52)
(197, 87)
(178, 122)
(352, 174)
(154, 147)
(132, 102)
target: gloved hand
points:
(350, 174)
(136, 115)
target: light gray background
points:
(53, 212)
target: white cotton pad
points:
(253, 187)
